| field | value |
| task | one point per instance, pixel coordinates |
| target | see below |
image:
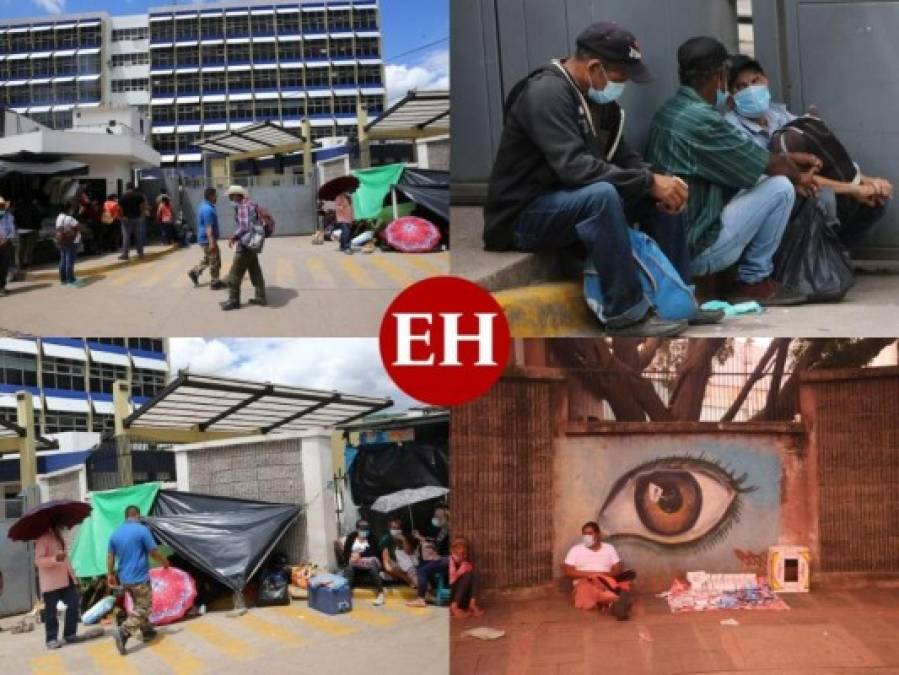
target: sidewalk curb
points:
(103, 269)
(548, 310)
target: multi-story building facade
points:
(201, 69)
(71, 380)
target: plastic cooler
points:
(331, 600)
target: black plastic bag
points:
(811, 258)
(272, 589)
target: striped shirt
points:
(690, 139)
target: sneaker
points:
(194, 277)
(348, 251)
(77, 283)
(650, 326)
(768, 293)
(230, 305)
(379, 601)
(262, 302)
(218, 285)
(54, 644)
(149, 635)
(123, 258)
(121, 637)
(706, 317)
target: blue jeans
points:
(428, 570)
(132, 228)
(67, 255)
(69, 597)
(345, 235)
(752, 225)
(593, 216)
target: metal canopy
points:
(255, 138)
(216, 404)
(10, 431)
(418, 111)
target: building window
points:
(133, 59)
(66, 65)
(43, 41)
(42, 94)
(104, 423)
(188, 56)
(344, 76)
(20, 69)
(120, 86)
(370, 75)
(89, 36)
(317, 77)
(315, 50)
(314, 22)
(43, 67)
(292, 79)
(163, 58)
(238, 54)
(66, 39)
(62, 119)
(165, 144)
(188, 84)
(240, 80)
(57, 373)
(212, 26)
(104, 375)
(189, 112)
(215, 112)
(18, 369)
(322, 132)
(20, 42)
(117, 342)
(147, 383)
(88, 92)
(365, 19)
(340, 21)
(60, 422)
(320, 106)
(213, 83)
(88, 64)
(213, 54)
(145, 344)
(122, 34)
(266, 79)
(373, 104)
(162, 31)
(289, 24)
(342, 48)
(163, 85)
(291, 51)
(293, 108)
(19, 96)
(237, 26)
(267, 111)
(187, 28)
(65, 92)
(345, 105)
(263, 24)
(241, 111)
(163, 114)
(367, 46)
(265, 52)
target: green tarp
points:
(374, 186)
(108, 512)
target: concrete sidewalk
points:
(825, 631)
(541, 299)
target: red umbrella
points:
(174, 592)
(38, 520)
(412, 235)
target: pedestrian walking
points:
(58, 584)
(68, 239)
(7, 233)
(134, 210)
(112, 222)
(208, 239)
(132, 545)
(166, 219)
(249, 236)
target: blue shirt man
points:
(207, 220)
(132, 544)
(207, 238)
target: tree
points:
(628, 374)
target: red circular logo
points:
(444, 341)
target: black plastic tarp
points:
(427, 188)
(385, 468)
(226, 538)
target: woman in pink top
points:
(58, 582)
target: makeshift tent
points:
(229, 539)
(382, 468)
(374, 186)
(108, 512)
(427, 188)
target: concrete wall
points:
(721, 507)
(294, 469)
(68, 483)
(292, 207)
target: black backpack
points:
(810, 134)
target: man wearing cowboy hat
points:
(245, 260)
(7, 232)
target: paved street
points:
(312, 291)
(290, 639)
(849, 630)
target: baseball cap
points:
(739, 63)
(616, 45)
(701, 55)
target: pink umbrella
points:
(174, 591)
(412, 235)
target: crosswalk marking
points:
(316, 620)
(51, 664)
(160, 271)
(351, 267)
(285, 273)
(108, 660)
(320, 274)
(128, 274)
(176, 657)
(393, 270)
(267, 629)
(372, 616)
(223, 640)
(425, 265)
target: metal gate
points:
(15, 563)
(809, 46)
(497, 42)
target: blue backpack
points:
(673, 300)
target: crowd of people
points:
(714, 188)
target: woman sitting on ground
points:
(398, 554)
(360, 558)
(464, 581)
(434, 546)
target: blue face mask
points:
(753, 101)
(720, 98)
(611, 92)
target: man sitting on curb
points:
(734, 213)
(564, 175)
(596, 568)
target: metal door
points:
(15, 563)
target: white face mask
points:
(437, 522)
(589, 540)
(396, 533)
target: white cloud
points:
(430, 73)
(51, 6)
(348, 365)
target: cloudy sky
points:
(415, 33)
(349, 365)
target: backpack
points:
(672, 299)
(267, 221)
(254, 238)
(810, 134)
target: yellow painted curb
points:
(103, 269)
(547, 310)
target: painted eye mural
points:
(674, 501)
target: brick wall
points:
(269, 471)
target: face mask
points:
(753, 101)
(436, 522)
(363, 534)
(396, 533)
(721, 98)
(2, 213)
(589, 540)
(611, 92)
